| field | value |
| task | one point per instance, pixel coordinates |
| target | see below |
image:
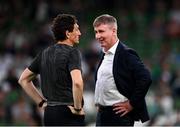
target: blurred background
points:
(151, 27)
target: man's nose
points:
(79, 32)
(97, 35)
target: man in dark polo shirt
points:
(59, 67)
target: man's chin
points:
(77, 42)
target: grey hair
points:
(105, 19)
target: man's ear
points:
(67, 34)
(114, 30)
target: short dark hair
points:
(105, 19)
(61, 24)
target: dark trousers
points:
(107, 117)
(61, 115)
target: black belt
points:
(56, 103)
(101, 107)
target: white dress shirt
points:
(106, 92)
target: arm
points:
(77, 81)
(77, 92)
(77, 88)
(142, 79)
(26, 83)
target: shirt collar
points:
(112, 50)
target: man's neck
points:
(66, 42)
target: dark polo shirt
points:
(54, 65)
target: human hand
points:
(42, 108)
(76, 112)
(122, 108)
(44, 105)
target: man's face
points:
(104, 33)
(75, 34)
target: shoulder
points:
(128, 50)
(75, 50)
(49, 48)
(131, 51)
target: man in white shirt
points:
(122, 80)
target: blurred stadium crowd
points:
(152, 27)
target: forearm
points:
(32, 91)
(77, 88)
(139, 93)
(78, 95)
(26, 83)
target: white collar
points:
(112, 50)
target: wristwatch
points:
(41, 103)
(77, 110)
